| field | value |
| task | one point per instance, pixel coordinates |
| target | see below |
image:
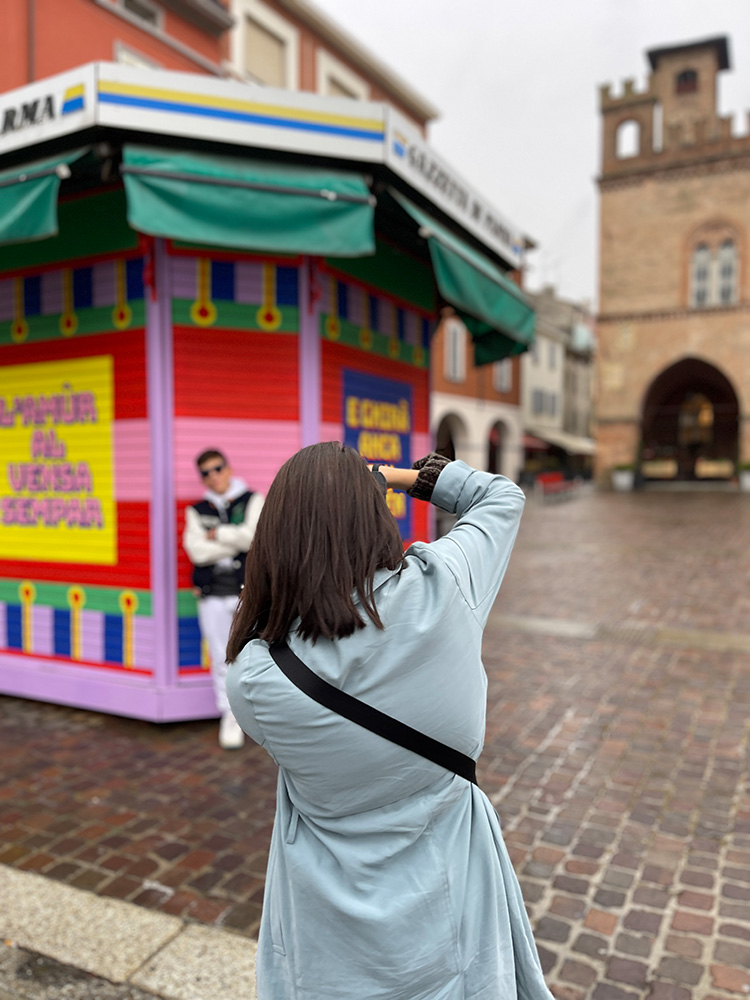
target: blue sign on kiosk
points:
(378, 423)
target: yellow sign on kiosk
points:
(57, 499)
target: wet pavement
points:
(617, 755)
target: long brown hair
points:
(324, 530)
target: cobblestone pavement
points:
(617, 756)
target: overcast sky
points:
(517, 87)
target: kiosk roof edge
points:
(186, 106)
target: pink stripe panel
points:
(331, 432)
(92, 636)
(132, 447)
(42, 629)
(52, 293)
(421, 445)
(256, 449)
(6, 299)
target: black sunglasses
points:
(212, 468)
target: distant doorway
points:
(450, 437)
(495, 442)
(450, 441)
(690, 424)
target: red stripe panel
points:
(184, 566)
(132, 569)
(231, 373)
(419, 522)
(339, 356)
(127, 349)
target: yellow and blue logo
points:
(74, 99)
(400, 144)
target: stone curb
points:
(123, 942)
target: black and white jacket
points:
(219, 564)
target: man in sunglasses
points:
(218, 532)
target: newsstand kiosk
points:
(185, 264)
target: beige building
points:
(557, 377)
(674, 326)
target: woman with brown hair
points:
(387, 877)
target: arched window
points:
(628, 139)
(726, 261)
(686, 82)
(700, 296)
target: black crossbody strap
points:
(368, 717)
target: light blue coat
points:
(388, 878)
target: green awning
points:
(496, 312)
(28, 197)
(247, 204)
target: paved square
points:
(617, 755)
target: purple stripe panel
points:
(413, 333)
(144, 630)
(104, 282)
(52, 293)
(309, 360)
(163, 538)
(358, 313)
(42, 629)
(7, 299)
(184, 277)
(248, 283)
(92, 636)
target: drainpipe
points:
(31, 38)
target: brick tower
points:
(674, 323)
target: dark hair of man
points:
(211, 453)
(323, 532)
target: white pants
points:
(215, 619)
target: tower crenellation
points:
(674, 119)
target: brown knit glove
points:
(429, 468)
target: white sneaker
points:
(231, 736)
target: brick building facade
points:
(674, 323)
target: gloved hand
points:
(429, 468)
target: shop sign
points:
(46, 109)
(378, 423)
(408, 155)
(56, 478)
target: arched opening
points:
(450, 440)
(690, 424)
(496, 439)
(450, 436)
(628, 139)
